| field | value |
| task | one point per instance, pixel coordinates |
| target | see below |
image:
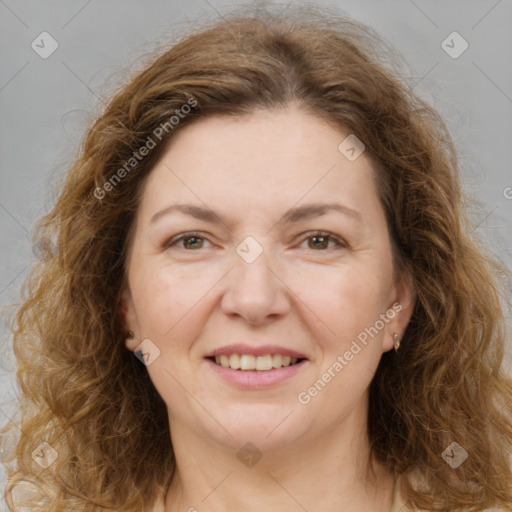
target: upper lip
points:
(259, 350)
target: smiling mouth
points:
(247, 362)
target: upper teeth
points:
(250, 362)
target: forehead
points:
(268, 158)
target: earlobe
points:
(128, 317)
(129, 341)
(403, 307)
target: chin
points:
(268, 428)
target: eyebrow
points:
(293, 215)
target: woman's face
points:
(256, 285)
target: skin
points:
(193, 297)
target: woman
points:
(258, 291)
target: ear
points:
(400, 309)
(129, 318)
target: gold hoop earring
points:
(397, 341)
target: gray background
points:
(45, 103)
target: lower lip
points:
(256, 379)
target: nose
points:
(256, 291)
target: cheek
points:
(171, 309)
(167, 299)
(349, 336)
(342, 301)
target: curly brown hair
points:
(87, 396)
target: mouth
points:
(261, 363)
(255, 366)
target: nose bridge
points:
(254, 291)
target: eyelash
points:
(323, 234)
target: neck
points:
(331, 472)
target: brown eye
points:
(320, 240)
(191, 241)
